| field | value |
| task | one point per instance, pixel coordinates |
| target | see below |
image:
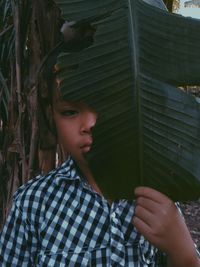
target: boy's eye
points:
(69, 112)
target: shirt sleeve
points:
(18, 242)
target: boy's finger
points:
(145, 215)
(141, 226)
(147, 203)
(150, 193)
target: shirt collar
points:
(67, 171)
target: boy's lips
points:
(86, 146)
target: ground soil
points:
(191, 211)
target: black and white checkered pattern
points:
(58, 220)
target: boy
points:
(62, 219)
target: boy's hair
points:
(81, 38)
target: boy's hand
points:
(158, 219)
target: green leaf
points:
(148, 131)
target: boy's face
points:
(74, 122)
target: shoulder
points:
(34, 189)
(33, 197)
(29, 198)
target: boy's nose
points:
(89, 122)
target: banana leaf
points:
(148, 130)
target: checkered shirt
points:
(58, 220)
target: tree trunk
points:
(22, 153)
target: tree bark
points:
(22, 154)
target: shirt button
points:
(113, 215)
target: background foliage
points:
(28, 31)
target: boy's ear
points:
(50, 112)
(47, 143)
(48, 136)
(50, 118)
